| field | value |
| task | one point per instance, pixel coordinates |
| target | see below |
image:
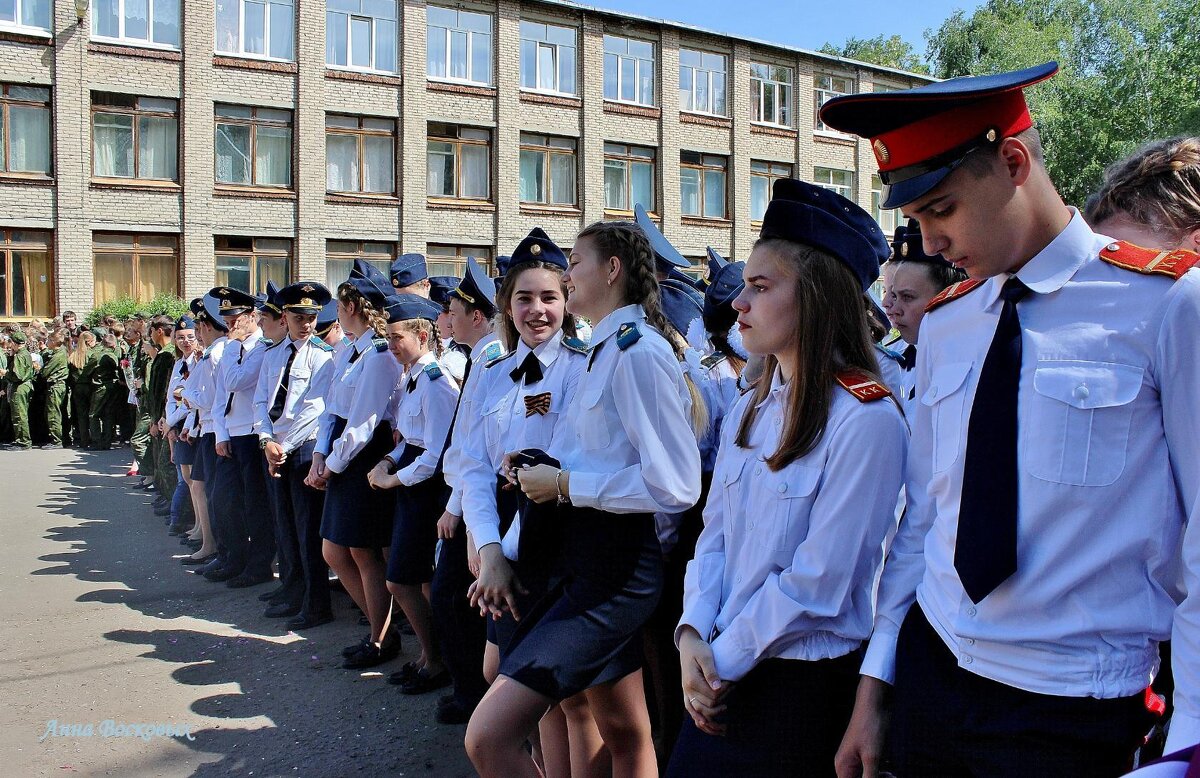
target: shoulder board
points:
(576, 345)
(315, 341)
(896, 339)
(433, 371)
(1172, 264)
(864, 388)
(953, 292)
(627, 335)
(498, 360)
(206, 355)
(493, 351)
(887, 352)
(380, 344)
(271, 345)
(712, 360)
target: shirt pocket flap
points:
(945, 381)
(590, 398)
(794, 481)
(1088, 385)
(302, 373)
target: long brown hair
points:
(1159, 186)
(508, 329)
(376, 320)
(831, 335)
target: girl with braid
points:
(626, 449)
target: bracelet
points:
(563, 499)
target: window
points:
(137, 266)
(547, 58)
(361, 34)
(25, 277)
(771, 94)
(256, 28)
(26, 15)
(628, 177)
(890, 219)
(135, 137)
(628, 70)
(763, 176)
(702, 185)
(459, 45)
(24, 129)
(360, 154)
(445, 260)
(840, 181)
(701, 82)
(825, 88)
(140, 22)
(248, 263)
(547, 169)
(340, 256)
(459, 162)
(253, 146)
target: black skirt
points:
(357, 516)
(586, 630)
(414, 528)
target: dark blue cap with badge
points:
(681, 305)
(723, 287)
(305, 297)
(909, 247)
(666, 256)
(806, 213)
(370, 282)
(503, 263)
(405, 306)
(232, 302)
(327, 317)
(715, 263)
(271, 300)
(196, 305)
(921, 135)
(440, 288)
(477, 289)
(537, 247)
(212, 313)
(408, 269)
(185, 322)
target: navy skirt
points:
(204, 458)
(586, 630)
(414, 528)
(357, 516)
(184, 453)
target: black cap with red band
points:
(921, 135)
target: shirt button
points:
(1081, 392)
(971, 611)
(782, 488)
(750, 526)
(967, 659)
(970, 641)
(758, 470)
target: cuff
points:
(1184, 732)
(408, 475)
(880, 659)
(485, 534)
(700, 617)
(454, 504)
(583, 489)
(335, 463)
(732, 660)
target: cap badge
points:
(395, 283)
(226, 304)
(881, 151)
(307, 301)
(307, 288)
(904, 249)
(535, 249)
(991, 135)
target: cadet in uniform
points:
(200, 396)
(454, 356)
(106, 395)
(54, 377)
(19, 380)
(410, 275)
(162, 331)
(1055, 402)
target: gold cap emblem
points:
(991, 136)
(395, 283)
(904, 249)
(535, 249)
(307, 301)
(307, 288)
(881, 151)
(226, 304)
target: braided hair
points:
(1159, 186)
(376, 320)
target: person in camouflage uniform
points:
(80, 377)
(19, 382)
(55, 370)
(162, 328)
(108, 393)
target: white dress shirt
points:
(200, 390)
(786, 564)
(1109, 473)
(422, 416)
(359, 393)
(308, 384)
(487, 349)
(453, 361)
(236, 378)
(175, 411)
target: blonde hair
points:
(433, 338)
(376, 320)
(1158, 186)
(79, 354)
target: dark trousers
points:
(241, 512)
(946, 721)
(307, 505)
(785, 718)
(461, 632)
(287, 546)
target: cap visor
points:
(904, 192)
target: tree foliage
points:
(1129, 73)
(125, 307)
(891, 52)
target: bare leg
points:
(589, 756)
(491, 662)
(621, 716)
(556, 751)
(342, 563)
(415, 605)
(496, 735)
(372, 569)
(200, 507)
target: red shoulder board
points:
(862, 386)
(953, 292)
(1172, 264)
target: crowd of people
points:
(732, 527)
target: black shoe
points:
(403, 675)
(308, 621)
(284, 610)
(163, 511)
(49, 446)
(454, 713)
(190, 561)
(246, 580)
(350, 651)
(220, 574)
(273, 594)
(175, 530)
(370, 655)
(423, 683)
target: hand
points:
(317, 476)
(274, 454)
(172, 435)
(862, 745)
(472, 556)
(539, 482)
(447, 525)
(380, 478)
(186, 435)
(223, 449)
(703, 689)
(497, 587)
(506, 468)
(153, 430)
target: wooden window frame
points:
(821, 95)
(549, 152)
(254, 123)
(5, 103)
(136, 252)
(835, 187)
(770, 175)
(702, 167)
(459, 258)
(458, 142)
(757, 93)
(360, 134)
(253, 254)
(7, 247)
(136, 113)
(628, 159)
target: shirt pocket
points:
(782, 521)
(946, 399)
(494, 426)
(592, 426)
(1080, 415)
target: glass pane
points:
(614, 45)
(443, 17)
(440, 170)
(169, 242)
(756, 88)
(481, 58)
(275, 115)
(281, 31)
(166, 22)
(785, 105)
(435, 56)
(533, 31)
(137, 21)
(718, 93)
(386, 125)
(562, 179)
(37, 93)
(233, 271)
(273, 156)
(379, 172)
(338, 120)
(641, 49)
(379, 248)
(564, 36)
(646, 82)
(714, 194)
(475, 22)
(235, 111)
(475, 173)
(611, 73)
(157, 275)
(702, 93)
(104, 17)
(158, 155)
(759, 196)
(112, 145)
(232, 154)
(341, 163)
(529, 64)
(335, 38)
(254, 37)
(614, 185)
(473, 134)
(282, 245)
(380, 9)
(689, 58)
(270, 269)
(628, 78)
(228, 22)
(385, 46)
(110, 240)
(159, 104)
(29, 139)
(685, 89)
(641, 151)
(768, 102)
(566, 70)
(360, 42)
(112, 277)
(689, 191)
(643, 185)
(546, 68)
(8, 10)
(532, 176)
(36, 13)
(458, 54)
(30, 283)
(337, 271)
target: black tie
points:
(985, 554)
(412, 384)
(276, 411)
(454, 418)
(229, 404)
(908, 360)
(530, 368)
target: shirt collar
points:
(483, 343)
(612, 322)
(364, 340)
(1052, 267)
(545, 352)
(778, 389)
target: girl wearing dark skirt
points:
(627, 450)
(357, 520)
(778, 599)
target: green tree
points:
(1128, 73)
(891, 52)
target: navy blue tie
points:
(985, 554)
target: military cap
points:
(18, 337)
(911, 248)
(681, 305)
(677, 275)
(440, 288)
(665, 255)
(537, 247)
(306, 297)
(196, 306)
(408, 269)
(185, 322)
(503, 263)
(232, 302)
(327, 317)
(212, 313)
(723, 287)
(370, 283)
(405, 306)
(477, 289)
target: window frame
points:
(703, 166)
(136, 113)
(458, 142)
(894, 215)
(637, 79)
(821, 95)
(360, 134)
(254, 123)
(359, 253)
(771, 176)
(849, 194)
(434, 255)
(266, 55)
(350, 17)
(539, 43)
(7, 247)
(758, 96)
(25, 29)
(629, 159)
(136, 252)
(253, 255)
(6, 102)
(145, 43)
(468, 81)
(548, 151)
(709, 73)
